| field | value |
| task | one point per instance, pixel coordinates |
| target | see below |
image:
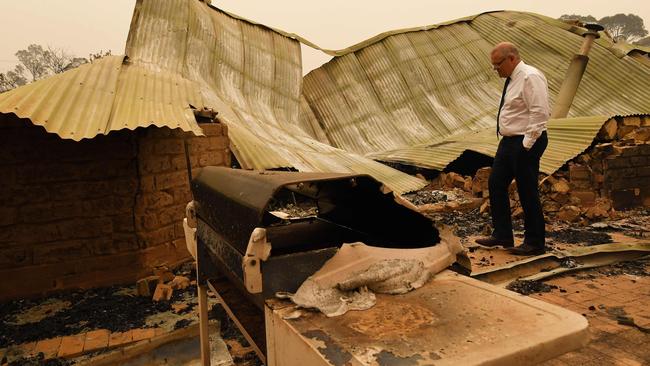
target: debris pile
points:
(288, 205)
(122, 315)
(448, 192)
(162, 284)
(611, 176)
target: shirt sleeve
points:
(535, 95)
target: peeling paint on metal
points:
(334, 353)
(385, 358)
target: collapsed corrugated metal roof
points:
(419, 96)
(105, 96)
(185, 53)
(422, 97)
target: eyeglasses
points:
(498, 64)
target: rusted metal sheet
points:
(453, 320)
(548, 265)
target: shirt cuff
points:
(528, 142)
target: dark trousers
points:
(513, 161)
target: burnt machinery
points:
(257, 233)
(268, 231)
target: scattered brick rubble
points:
(72, 327)
(610, 177)
(59, 328)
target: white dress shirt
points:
(525, 108)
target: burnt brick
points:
(122, 205)
(643, 149)
(170, 180)
(103, 206)
(155, 164)
(123, 224)
(125, 187)
(180, 162)
(37, 233)
(179, 231)
(214, 158)
(579, 172)
(148, 222)
(169, 146)
(148, 183)
(198, 145)
(62, 200)
(80, 190)
(219, 143)
(154, 200)
(26, 194)
(60, 251)
(158, 237)
(67, 209)
(212, 129)
(15, 257)
(617, 163)
(639, 161)
(8, 216)
(182, 195)
(125, 242)
(624, 199)
(620, 183)
(643, 172)
(102, 246)
(80, 228)
(171, 215)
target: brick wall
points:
(618, 167)
(164, 185)
(627, 176)
(94, 212)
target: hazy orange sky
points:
(84, 26)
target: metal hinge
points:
(258, 250)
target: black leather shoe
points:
(527, 249)
(493, 242)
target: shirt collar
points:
(518, 69)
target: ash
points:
(464, 223)
(526, 287)
(424, 197)
(576, 236)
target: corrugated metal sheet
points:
(424, 97)
(570, 136)
(105, 96)
(184, 53)
(420, 96)
(252, 75)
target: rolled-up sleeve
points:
(535, 93)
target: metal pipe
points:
(574, 73)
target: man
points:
(521, 121)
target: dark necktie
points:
(503, 99)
